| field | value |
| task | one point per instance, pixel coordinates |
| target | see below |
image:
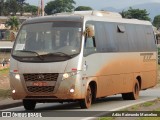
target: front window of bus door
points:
(90, 46)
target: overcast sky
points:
(99, 4)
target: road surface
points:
(111, 103)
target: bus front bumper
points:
(64, 90)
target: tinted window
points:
(140, 38)
(122, 38)
(119, 37)
(150, 38)
(131, 32)
(110, 34)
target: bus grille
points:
(40, 89)
(43, 77)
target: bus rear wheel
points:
(87, 101)
(29, 104)
(132, 95)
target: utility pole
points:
(39, 8)
(42, 7)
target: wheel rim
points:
(136, 90)
(89, 96)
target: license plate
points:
(39, 83)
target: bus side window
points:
(90, 46)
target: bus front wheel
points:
(132, 95)
(87, 101)
(29, 104)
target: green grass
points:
(135, 107)
(149, 118)
(4, 71)
(147, 104)
(106, 118)
(158, 109)
(5, 93)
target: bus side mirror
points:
(90, 32)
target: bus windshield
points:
(48, 41)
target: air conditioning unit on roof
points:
(94, 13)
(99, 13)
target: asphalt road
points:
(111, 103)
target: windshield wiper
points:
(32, 52)
(59, 53)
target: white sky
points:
(99, 4)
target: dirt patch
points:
(4, 83)
(4, 78)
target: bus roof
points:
(80, 16)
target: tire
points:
(29, 104)
(132, 95)
(87, 101)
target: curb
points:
(9, 103)
(117, 109)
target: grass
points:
(135, 107)
(5, 93)
(106, 118)
(149, 118)
(4, 71)
(147, 104)
(157, 109)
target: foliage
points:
(21, 4)
(13, 22)
(58, 6)
(83, 8)
(136, 14)
(31, 9)
(10, 6)
(1, 6)
(156, 21)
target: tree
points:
(83, 8)
(156, 21)
(21, 5)
(10, 6)
(1, 7)
(31, 9)
(13, 23)
(5, 9)
(136, 14)
(58, 6)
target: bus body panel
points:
(116, 72)
(61, 87)
(112, 71)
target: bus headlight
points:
(17, 76)
(13, 91)
(66, 75)
(69, 74)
